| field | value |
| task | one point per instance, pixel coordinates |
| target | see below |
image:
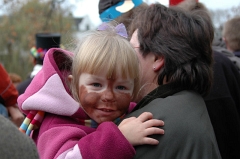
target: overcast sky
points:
(90, 7)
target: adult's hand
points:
(16, 115)
(137, 130)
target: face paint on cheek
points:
(123, 101)
(88, 100)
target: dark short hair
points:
(183, 38)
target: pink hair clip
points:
(120, 29)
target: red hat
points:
(175, 2)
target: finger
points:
(150, 141)
(153, 130)
(153, 122)
(145, 116)
(128, 119)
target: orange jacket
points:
(8, 92)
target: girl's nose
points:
(108, 96)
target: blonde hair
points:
(104, 50)
(232, 34)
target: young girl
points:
(79, 122)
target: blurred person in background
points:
(44, 41)
(220, 46)
(231, 35)
(8, 99)
(16, 79)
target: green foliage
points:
(18, 29)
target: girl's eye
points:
(121, 88)
(96, 84)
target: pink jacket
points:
(62, 134)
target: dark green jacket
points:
(188, 130)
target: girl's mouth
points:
(106, 110)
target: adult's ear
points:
(158, 63)
(227, 44)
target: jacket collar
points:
(160, 92)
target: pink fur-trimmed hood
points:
(48, 91)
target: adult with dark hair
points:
(44, 41)
(223, 101)
(175, 54)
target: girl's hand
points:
(137, 130)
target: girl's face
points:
(104, 99)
